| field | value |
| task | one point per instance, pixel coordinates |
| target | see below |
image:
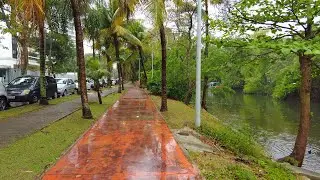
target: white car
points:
(3, 97)
(65, 86)
(90, 84)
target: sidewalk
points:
(17, 127)
(131, 141)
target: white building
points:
(9, 62)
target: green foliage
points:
(96, 70)
(288, 81)
(235, 141)
(179, 73)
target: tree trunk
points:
(188, 95)
(204, 93)
(23, 40)
(99, 97)
(142, 64)
(122, 77)
(43, 90)
(97, 89)
(116, 46)
(304, 126)
(206, 55)
(93, 50)
(109, 83)
(86, 112)
(164, 106)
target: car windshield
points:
(61, 81)
(22, 81)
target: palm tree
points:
(158, 11)
(43, 89)
(18, 23)
(33, 12)
(92, 27)
(86, 112)
(119, 10)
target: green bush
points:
(231, 139)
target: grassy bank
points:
(28, 157)
(13, 112)
(236, 156)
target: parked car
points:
(65, 86)
(3, 97)
(90, 84)
(27, 89)
(213, 84)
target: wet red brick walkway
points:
(131, 141)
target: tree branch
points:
(267, 24)
(292, 10)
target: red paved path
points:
(131, 141)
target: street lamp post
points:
(198, 71)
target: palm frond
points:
(124, 33)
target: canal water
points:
(273, 123)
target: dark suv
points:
(27, 89)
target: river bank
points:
(238, 157)
(274, 124)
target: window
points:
(22, 81)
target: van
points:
(27, 89)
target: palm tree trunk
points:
(122, 77)
(164, 106)
(23, 40)
(142, 64)
(86, 112)
(43, 90)
(116, 46)
(304, 126)
(109, 83)
(206, 55)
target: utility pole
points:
(198, 71)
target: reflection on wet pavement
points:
(131, 141)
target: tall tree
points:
(20, 26)
(96, 71)
(86, 112)
(119, 11)
(158, 12)
(294, 29)
(33, 14)
(40, 18)
(92, 27)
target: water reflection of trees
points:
(260, 112)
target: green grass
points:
(27, 158)
(13, 112)
(226, 164)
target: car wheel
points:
(34, 99)
(64, 93)
(55, 95)
(3, 103)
